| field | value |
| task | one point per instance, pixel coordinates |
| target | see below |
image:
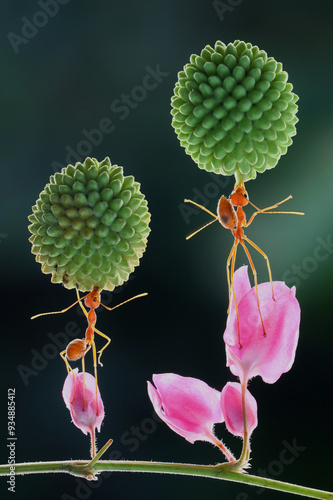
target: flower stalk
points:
(245, 455)
(89, 470)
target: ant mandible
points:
(235, 220)
(78, 348)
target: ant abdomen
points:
(76, 349)
(226, 213)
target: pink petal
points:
(267, 355)
(187, 405)
(232, 409)
(242, 285)
(83, 412)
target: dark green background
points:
(64, 80)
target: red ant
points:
(235, 220)
(78, 348)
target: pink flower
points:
(267, 355)
(87, 413)
(187, 405)
(232, 409)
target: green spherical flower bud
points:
(90, 226)
(233, 110)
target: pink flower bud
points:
(267, 355)
(87, 413)
(232, 409)
(187, 405)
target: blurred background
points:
(59, 82)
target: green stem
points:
(221, 471)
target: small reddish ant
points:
(78, 348)
(235, 220)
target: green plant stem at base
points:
(221, 471)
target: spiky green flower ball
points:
(90, 226)
(233, 110)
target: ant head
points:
(92, 300)
(239, 196)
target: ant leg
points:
(95, 364)
(267, 262)
(228, 273)
(272, 206)
(83, 383)
(111, 309)
(233, 256)
(205, 225)
(69, 370)
(255, 282)
(63, 310)
(108, 342)
(95, 372)
(277, 212)
(68, 366)
(189, 236)
(125, 302)
(81, 305)
(267, 210)
(202, 207)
